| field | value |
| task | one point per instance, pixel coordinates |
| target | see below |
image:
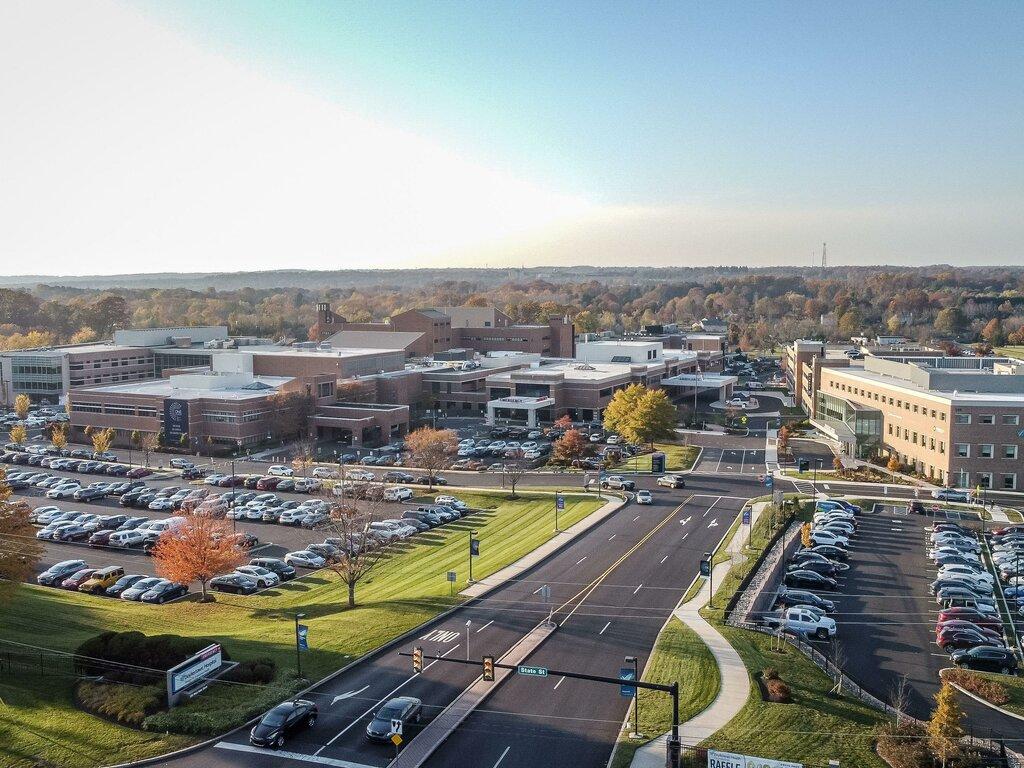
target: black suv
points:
(280, 567)
(985, 658)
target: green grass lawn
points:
(1017, 352)
(679, 655)
(402, 592)
(1014, 687)
(678, 458)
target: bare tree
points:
(150, 442)
(305, 454)
(432, 449)
(899, 699)
(838, 653)
(359, 552)
(513, 473)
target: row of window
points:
(886, 399)
(37, 386)
(37, 370)
(1006, 419)
(985, 451)
(115, 410)
(111, 363)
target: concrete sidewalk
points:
(545, 550)
(735, 686)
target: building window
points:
(986, 451)
(942, 447)
(915, 407)
(1009, 482)
(963, 450)
(1009, 451)
(985, 479)
(962, 418)
(1011, 420)
(987, 418)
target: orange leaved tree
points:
(197, 550)
(431, 449)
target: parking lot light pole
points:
(234, 516)
(814, 482)
(298, 650)
(472, 535)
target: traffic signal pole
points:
(673, 745)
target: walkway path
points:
(735, 686)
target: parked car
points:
(304, 559)
(985, 658)
(951, 494)
(102, 579)
(278, 566)
(163, 592)
(179, 463)
(404, 708)
(280, 470)
(234, 583)
(810, 580)
(989, 621)
(78, 578)
(263, 577)
(56, 573)
(398, 493)
(125, 582)
(282, 721)
(805, 620)
(950, 639)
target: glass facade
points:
(864, 422)
(37, 377)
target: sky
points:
(153, 136)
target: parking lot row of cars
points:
(816, 567)
(970, 626)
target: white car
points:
(613, 440)
(404, 530)
(804, 620)
(304, 559)
(828, 537)
(644, 497)
(450, 501)
(361, 474)
(40, 514)
(400, 493)
(294, 516)
(279, 470)
(325, 473)
(262, 576)
(213, 479)
(63, 491)
(383, 531)
(161, 504)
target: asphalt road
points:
(612, 589)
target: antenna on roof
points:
(824, 256)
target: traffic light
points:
(489, 668)
(417, 659)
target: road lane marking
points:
(538, 589)
(441, 635)
(636, 518)
(612, 536)
(485, 626)
(639, 587)
(684, 522)
(386, 696)
(581, 560)
(663, 560)
(348, 695)
(560, 681)
(503, 755)
(684, 536)
(604, 628)
(713, 523)
(291, 755)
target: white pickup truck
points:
(804, 620)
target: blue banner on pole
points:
(303, 637)
(628, 691)
(746, 516)
(769, 481)
(474, 547)
(559, 502)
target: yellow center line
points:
(597, 582)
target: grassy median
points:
(404, 591)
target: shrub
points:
(778, 691)
(903, 746)
(770, 673)
(990, 690)
(222, 708)
(128, 704)
(134, 649)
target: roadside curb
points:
(978, 698)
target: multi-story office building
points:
(956, 420)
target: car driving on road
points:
(282, 721)
(404, 708)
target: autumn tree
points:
(563, 422)
(83, 335)
(102, 439)
(641, 415)
(359, 553)
(20, 550)
(837, 464)
(894, 464)
(805, 535)
(21, 405)
(197, 550)
(993, 332)
(431, 449)
(18, 434)
(305, 455)
(570, 447)
(59, 436)
(944, 727)
(290, 412)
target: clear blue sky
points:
(253, 134)
(834, 103)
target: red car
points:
(1007, 529)
(983, 620)
(268, 483)
(231, 481)
(138, 472)
(953, 639)
(78, 578)
(951, 624)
